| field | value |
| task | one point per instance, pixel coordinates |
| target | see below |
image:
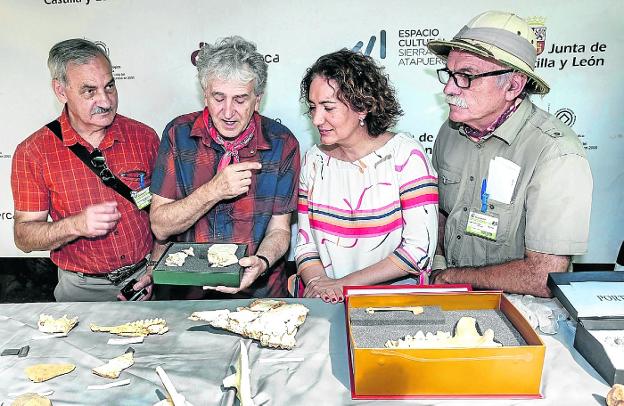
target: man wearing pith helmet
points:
(515, 185)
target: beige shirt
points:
(551, 203)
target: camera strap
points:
(83, 154)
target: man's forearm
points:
(44, 235)
(274, 245)
(178, 216)
(523, 276)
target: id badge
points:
(142, 198)
(482, 225)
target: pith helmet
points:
(502, 36)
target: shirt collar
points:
(71, 137)
(509, 129)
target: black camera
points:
(130, 294)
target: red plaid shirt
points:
(47, 176)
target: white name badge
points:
(482, 225)
(142, 198)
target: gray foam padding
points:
(199, 261)
(430, 315)
(375, 336)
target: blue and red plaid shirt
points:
(188, 158)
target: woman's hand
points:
(328, 289)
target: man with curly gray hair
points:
(228, 174)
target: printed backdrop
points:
(153, 44)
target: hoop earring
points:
(361, 122)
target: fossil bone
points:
(178, 258)
(220, 255)
(136, 328)
(466, 336)
(113, 368)
(413, 309)
(272, 322)
(49, 324)
(43, 372)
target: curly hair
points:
(232, 58)
(362, 85)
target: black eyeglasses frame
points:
(467, 76)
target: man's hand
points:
(328, 289)
(234, 180)
(253, 265)
(144, 281)
(97, 220)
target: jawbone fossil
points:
(49, 324)
(466, 336)
(136, 328)
(272, 322)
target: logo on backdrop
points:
(568, 55)
(413, 49)
(268, 58)
(118, 73)
(538, 26)
(6, 215)
(70, 2)
(371, 44)
(5, 156)
(566, 116)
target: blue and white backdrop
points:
(152, 44)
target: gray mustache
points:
(101, 110)
(457, 101)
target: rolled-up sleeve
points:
(558, 206)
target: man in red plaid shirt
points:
(227, 174)
(97, 238)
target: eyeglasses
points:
(463, 80)
(99, 162)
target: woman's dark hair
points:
(361, 84)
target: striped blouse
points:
(354, 214)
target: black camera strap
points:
(83, 154)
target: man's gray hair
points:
(76, 50)
(232, 58)
(501, 80)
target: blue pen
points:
(484, 196)
(142, 179)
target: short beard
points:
(456, 101)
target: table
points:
(197, 358)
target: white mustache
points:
(100, 110)
(456, 101)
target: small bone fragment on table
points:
(413, 309)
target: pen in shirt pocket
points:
(484, 196)
(136, 176)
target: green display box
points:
(196, 270)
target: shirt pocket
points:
(449, 183)
(505, 213)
